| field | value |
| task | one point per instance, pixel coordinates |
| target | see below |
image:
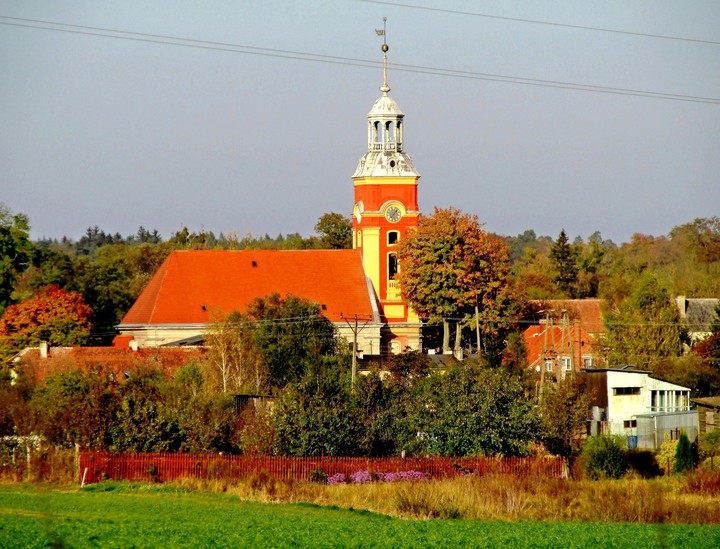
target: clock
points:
(393, 214)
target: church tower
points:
(386, 207)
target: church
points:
(355, 289)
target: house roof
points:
(536, 343)
(697, 313)
(708, 402)
(585, 311)
(190, 284)
(116, 360)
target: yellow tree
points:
(453, 270)
(234, 360)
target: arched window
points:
(393, 237)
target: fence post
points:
(77, 463)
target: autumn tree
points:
(52, 315)
(449, 265)
(233, 357)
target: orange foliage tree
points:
(53, 315)
(449, 266)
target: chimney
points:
(43, 349)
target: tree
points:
(564, 259)
(683, 455)
(468, 411)
(645, 328)
(15, 251)
(290, 333)
(564, 412)
(233, 356)
(74, 408)
(335, 231)
(605, 457)
(52, 315)
(316, 417)
(449, 265)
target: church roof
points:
(191, 284)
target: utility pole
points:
(355, 330)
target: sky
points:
(250, 116)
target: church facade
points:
(356, 289)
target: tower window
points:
(393, 237)
(392, 266)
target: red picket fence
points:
(159, 467)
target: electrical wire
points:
(344, 61)
(538, 22)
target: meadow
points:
(263, 512)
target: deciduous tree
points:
(645, 328)
(335, 231)
(290, 333)
(53, 315)
(449, 265)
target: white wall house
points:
(632, 403)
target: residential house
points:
(697, 314)
(558, 350)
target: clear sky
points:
(218, 132)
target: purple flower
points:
(337, 478)
(411, 476)
(361, 477)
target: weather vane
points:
(381, 32)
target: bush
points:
(644, 463)
(683, 455)
(605, 457)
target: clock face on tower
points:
(393, 214)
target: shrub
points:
(605, 457)
(683, 455)
(666, 454)
(644, 463)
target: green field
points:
(147, 516)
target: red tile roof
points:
(535, 343)
(191, 284)
(108, 359)
(587, 312)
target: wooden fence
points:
(159, 467)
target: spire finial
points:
(381, 32)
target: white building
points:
(632, 403)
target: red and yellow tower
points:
(386, 207)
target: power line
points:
(344, 61)
(538, 22)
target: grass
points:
(133, 515)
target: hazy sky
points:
(122, 129)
